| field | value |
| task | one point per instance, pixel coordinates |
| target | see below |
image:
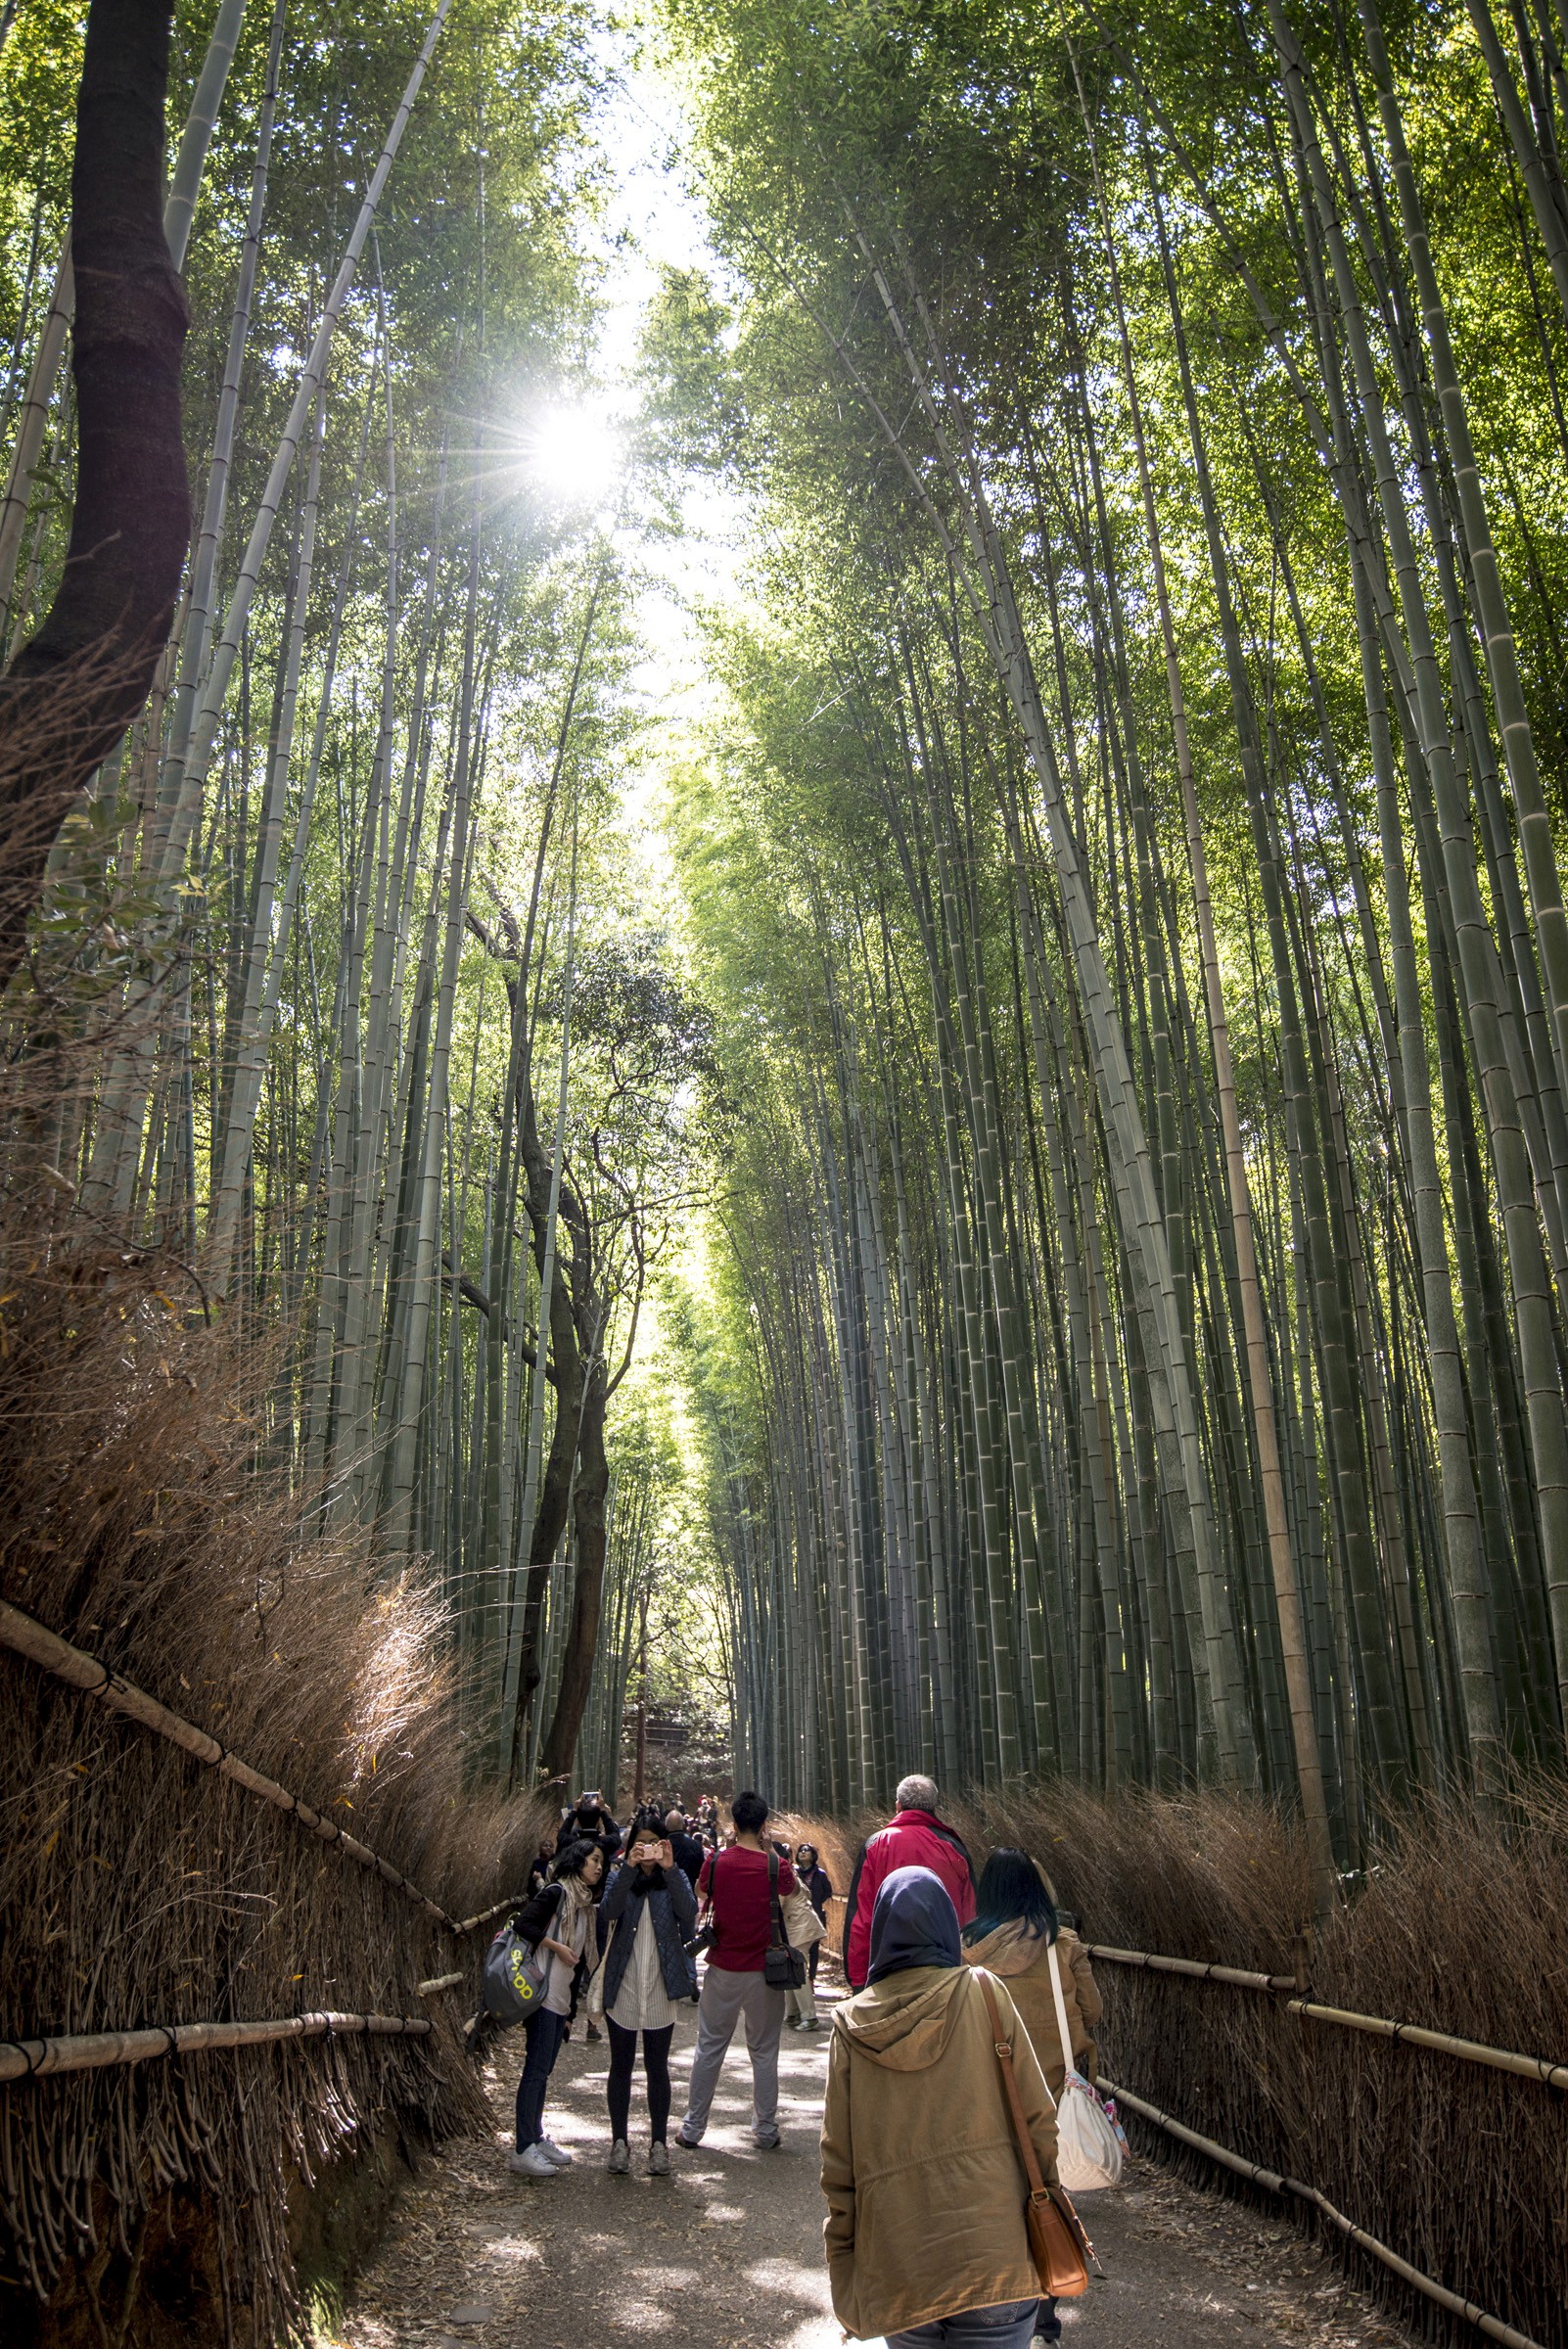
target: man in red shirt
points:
(914, 1838)
(736, 1888)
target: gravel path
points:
(728, 2252)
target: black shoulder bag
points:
(784, 1966)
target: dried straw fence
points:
(237, 1856)
(1411, 2097)
(1392, 2078)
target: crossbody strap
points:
(779, 1938)
(1053, 1961)
(1037, 2191)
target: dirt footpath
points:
(726, 2253)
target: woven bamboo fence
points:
(243, 1888)
(1412, 2091)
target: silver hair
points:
(917, 1793)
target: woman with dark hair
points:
(812, 1878)
(649, 1913)
(558, 1921)
(926, 2238)
(1016, 1933)
(1015, 1928)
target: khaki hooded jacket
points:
(1021, 1962)
(920, 2167)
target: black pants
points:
(656, 2070)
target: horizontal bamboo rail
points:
(1472, 2051)
(487, 1916)
(97, 2050)
(1416, 2035)
(1194, 1967)
(1274, 2182)
(25, 1636)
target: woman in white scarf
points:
(560, 1922)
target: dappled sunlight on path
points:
(727, 2250)
(726, 2253)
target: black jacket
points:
(674, 1918)
(689, 1856)
(607, 1836)
(536, 1916)
(818, 1889)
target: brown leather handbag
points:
(1060, 2249)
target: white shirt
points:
(642, 2003)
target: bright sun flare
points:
(573, 454)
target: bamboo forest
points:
(783, 802)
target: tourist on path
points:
(589, 1821)
(648, 1914)
(689, 1853)
(799, 2005)
(926, 2241)
(1016, 1933)
(915, 1837)
(736, 1886)
(559, 1921)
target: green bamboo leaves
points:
(1150, 670)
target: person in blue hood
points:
(925, 2234)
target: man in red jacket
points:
(914, 1838)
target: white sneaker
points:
(562, 2159)
(619, 2161)
(534, 2163)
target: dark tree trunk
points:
(80, 680)
(582, 1638)
(567, 1353)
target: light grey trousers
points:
(727, 1997)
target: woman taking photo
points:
(558, 1921)
(1015, 1933)
(649, 1914)
(926, 2240)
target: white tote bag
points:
(1088, 2152)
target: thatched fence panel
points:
(1432, 2137)
(146, 1884)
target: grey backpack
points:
(515, 1973)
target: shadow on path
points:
(726, 2253)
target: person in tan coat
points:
(1015, 1933)
(925, 2233)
